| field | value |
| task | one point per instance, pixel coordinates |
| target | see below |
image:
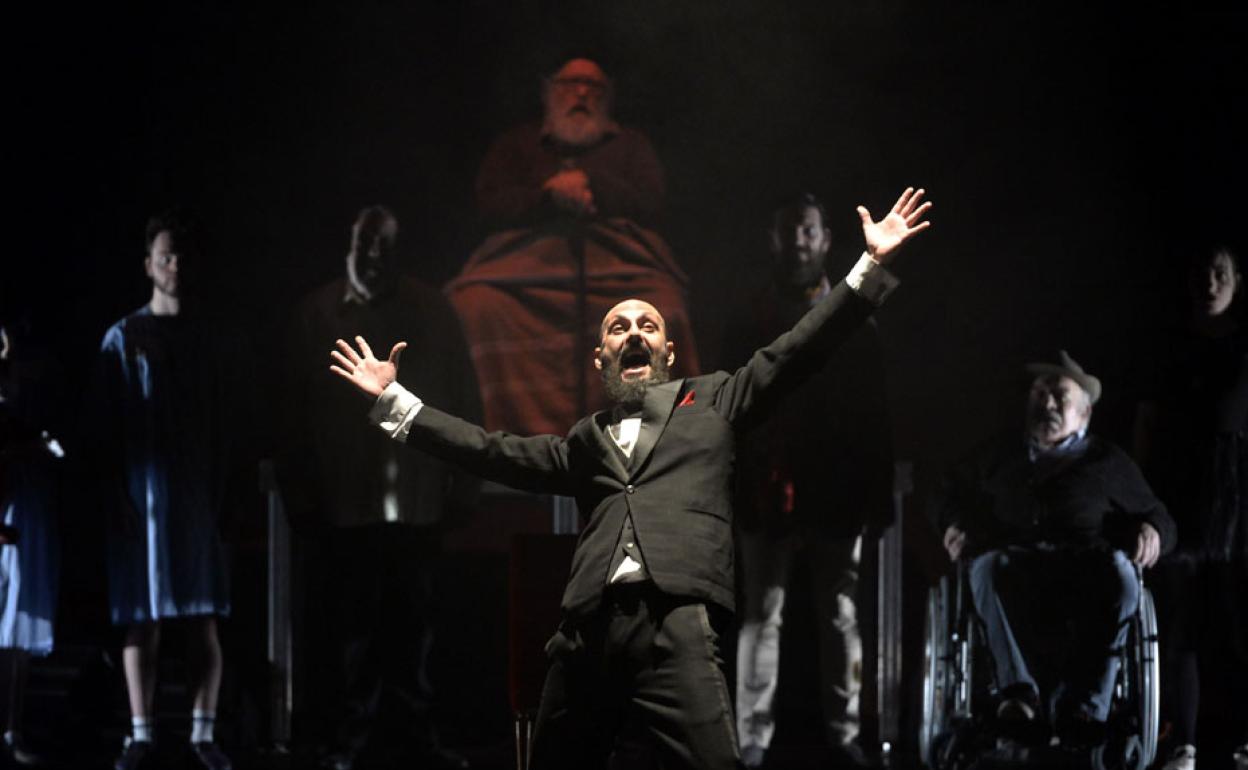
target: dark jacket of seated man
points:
(1052, 523)
(1091, 496)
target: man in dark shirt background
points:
(379, 512)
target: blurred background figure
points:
(1192, 438)
(171, 419)
(571, 203)
(375, 510)
(29, 544)
(802, 496)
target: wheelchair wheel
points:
(1148, 679)
(1139, 691)
(946, 673)
(1127, 754)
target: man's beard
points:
(369, 281)
(633, 392)
(797, 274)
(579, 129)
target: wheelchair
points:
(957, 729)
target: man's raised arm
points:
(537, 464)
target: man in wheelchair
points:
(1050, 526)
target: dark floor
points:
(174, 755)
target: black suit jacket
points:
(679, 484)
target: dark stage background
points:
(1072, 151)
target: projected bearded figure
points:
(570, 200)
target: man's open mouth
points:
(634, 362)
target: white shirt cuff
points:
(395, 410)
(870, 280)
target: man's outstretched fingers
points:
(346, 364)
(913, 203)
(918, 213)
(348, 351)
(902, 201)
(364, 348)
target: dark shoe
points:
(211, 756)
(1016, 710)
(1018, 717)
(135, 755)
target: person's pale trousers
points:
(766, 564)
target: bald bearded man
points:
(636, 667)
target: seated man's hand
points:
(1147, 546)
(955, 541)
(569, 189)
(363, 370)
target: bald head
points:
(632, 307)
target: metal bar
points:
(280, 653)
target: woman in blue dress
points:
(29, 546)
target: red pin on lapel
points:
(687, 400)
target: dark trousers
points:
(380, 600)
(642, 680)
(1202, 610)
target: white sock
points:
(140, 729)
(202, 723)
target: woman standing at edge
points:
(1192, 440)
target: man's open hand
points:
(362, 369)
(886, 237)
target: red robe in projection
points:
(519, 296)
